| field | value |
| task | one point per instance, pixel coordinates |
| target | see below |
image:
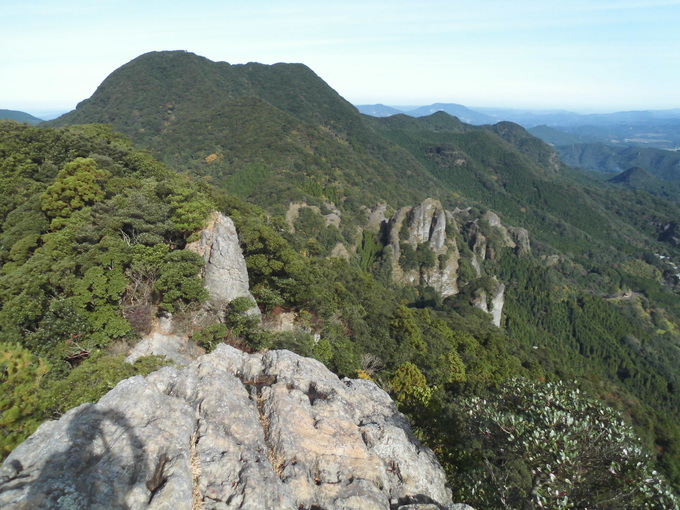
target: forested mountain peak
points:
(159, 88)
(278, 128)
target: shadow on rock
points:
(100, 462)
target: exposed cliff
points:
(230, 430)
(491, 301)
(424, 225)
(428, 245)
(436, 233)
(424, 245)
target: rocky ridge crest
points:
(225, 277)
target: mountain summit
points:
(152, 92)
(279, 128)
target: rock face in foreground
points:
(229, 431)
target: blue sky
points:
(585, 55)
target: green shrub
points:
(78, 184)
(92, 380)
(178, 281)
(408, 258)
(410, 386)
(370, 248)
(20, 374)
(210, 336)
(246, 326)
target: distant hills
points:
(457, 110)
(639, 179)
(19, 116)
(609, 142)
(663, 164)
(378, 110)
(656, 120)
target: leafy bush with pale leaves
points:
(548, 446)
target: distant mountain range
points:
(19, 116)
(663, 164)
(610, 142)
(457, 110)
(378, 110)
(533, 118)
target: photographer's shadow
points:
(101, 462)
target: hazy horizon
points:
(481, 108)
(49, 114)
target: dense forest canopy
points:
(95, 222)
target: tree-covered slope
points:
(92, 252)
(598, 242)
(250, 124)
(90, 247)
(19, 116)
(527, 175)
(638, 178)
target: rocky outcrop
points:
(492, 306)
(440, 231)
(225, 273)
(497, 303)
(425, 224)
(165, 341)
(229, 431)
(225, 277)
(332, 216)
(512, 237)
(376, 217)
(521, 237)
(340, 252)
(477, 242)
